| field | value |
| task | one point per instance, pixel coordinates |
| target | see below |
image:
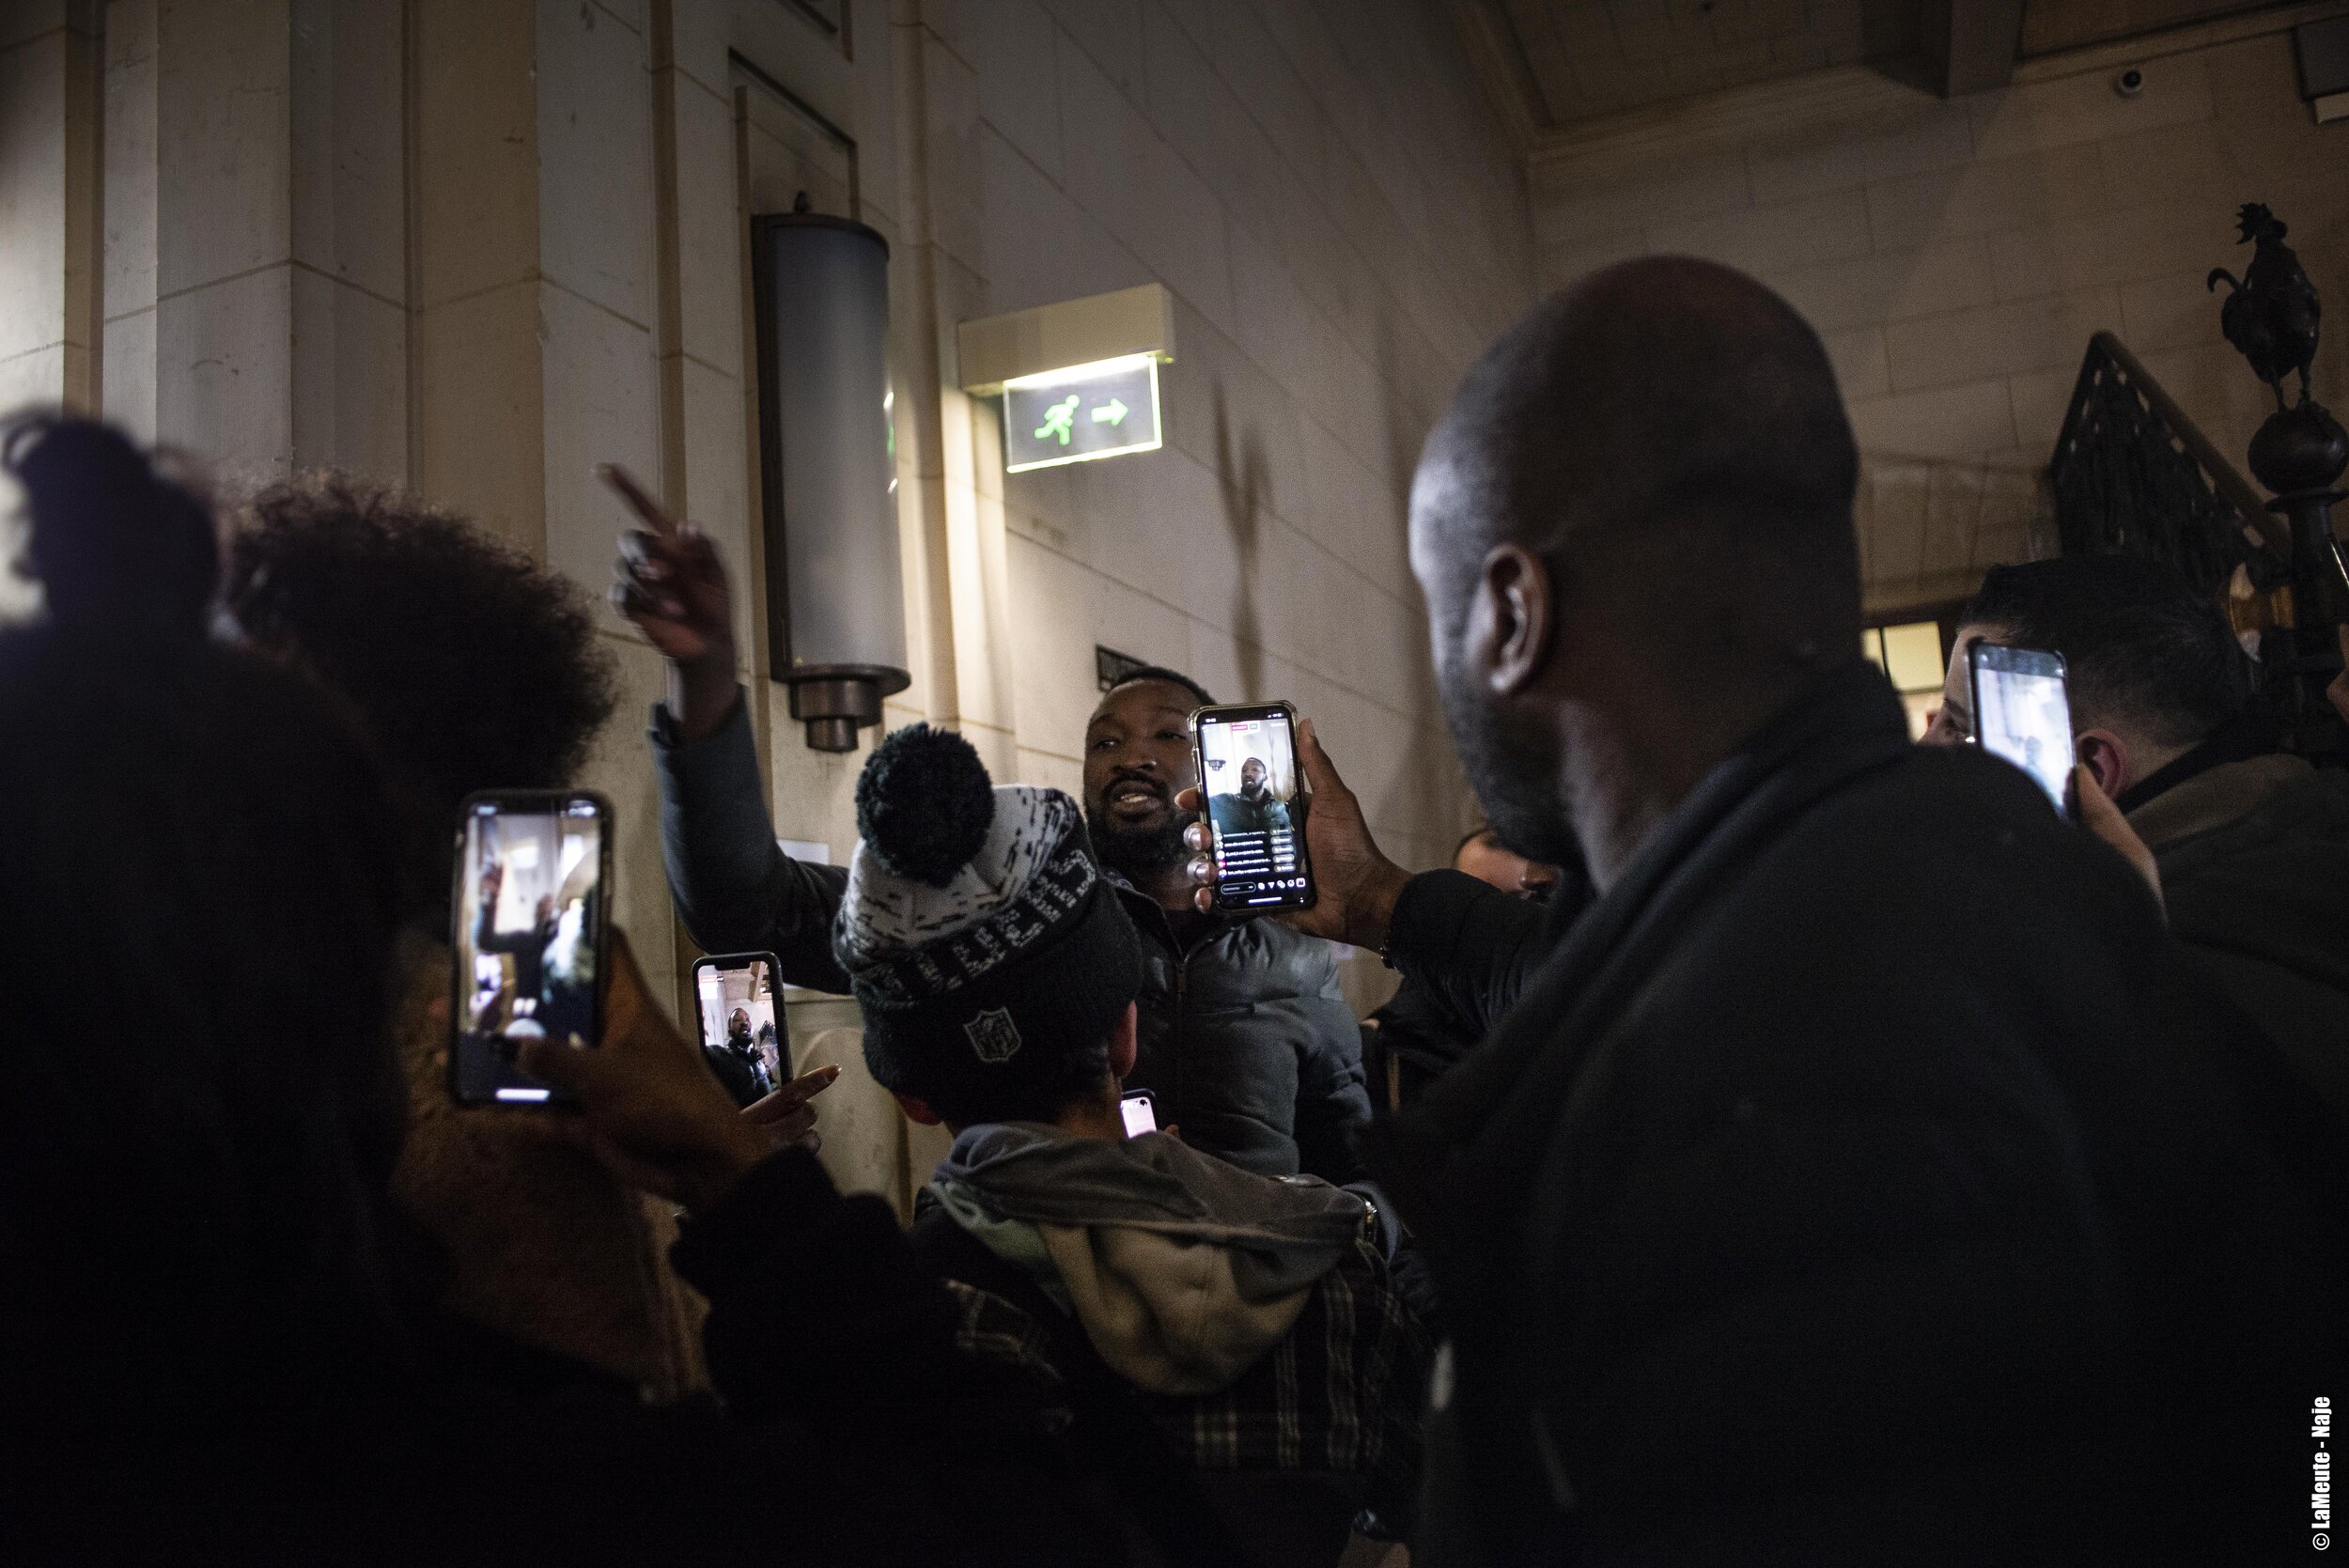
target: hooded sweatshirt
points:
(1182, 1269)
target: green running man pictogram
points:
(1058, 419)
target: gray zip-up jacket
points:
(1245, 1042)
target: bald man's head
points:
(1659, 456)
(1666, 425)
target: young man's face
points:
(1252, 777)
(1137, 757)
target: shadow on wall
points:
(1433, 791)
(1929, 527)
(1241, 477)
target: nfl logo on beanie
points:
(993, 1035)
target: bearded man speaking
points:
(1245, 1042)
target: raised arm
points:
(736, 889)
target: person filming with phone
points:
(1867, 1151)
(1245, 1042)
(2250, 846)
(1236, 1357)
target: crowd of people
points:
(1787, 1144)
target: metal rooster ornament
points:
(2271, 315)
(2298, 451)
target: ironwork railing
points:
(2131, 473)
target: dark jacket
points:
(1865, 1175)
(140, 1438)
(1234, 813)
(2254, 859)
(1476, 946)
(1246, 1041)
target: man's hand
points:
(651, 1108)
(786, 1115)
(670, 581)
(2094, 811)
(1355, 885)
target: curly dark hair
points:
(470, 666)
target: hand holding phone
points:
(2022, 713)
(530, 932)
(658, 1120)
(1140, 1115)
(1355, 886)
(742, 1030)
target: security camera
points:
(2129, 83)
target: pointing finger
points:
(639, 500)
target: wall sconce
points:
(835, 607)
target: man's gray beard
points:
(1512, 765)
(1138, 854)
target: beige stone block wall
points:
(478, 246)
(1956, 256)
(48, 141)
(1343, 229)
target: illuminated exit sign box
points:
(1078, 380)
(1089, 410)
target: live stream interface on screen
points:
(527, 941)
(1251, 793)
(738, 1014)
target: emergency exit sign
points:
(1103, 410)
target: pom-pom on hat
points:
(989, 957)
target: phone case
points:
(475, 1078)
(1274, 887)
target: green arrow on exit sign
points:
(1075, 415)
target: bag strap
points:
(1115, 1431)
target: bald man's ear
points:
(1510, 618)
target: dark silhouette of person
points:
(1870, 1110)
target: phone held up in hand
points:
(2023, 714)
(531, 933)
(743, 1032)
(1140, 1115)
(1256, 804)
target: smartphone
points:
(743, 1033)
(2022, 712)
(1140, 1115)
(531, 931)
(1256, 803)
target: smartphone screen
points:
(743, 1033)
(2021, 712)
(532, 876)
(1255, 806)
(1141, 1116)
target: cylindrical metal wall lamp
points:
(835, 609)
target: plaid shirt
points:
(1342, 1392)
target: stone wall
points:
(1956, 255)
(478, 246)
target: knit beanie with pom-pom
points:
(989, 957)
